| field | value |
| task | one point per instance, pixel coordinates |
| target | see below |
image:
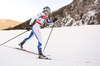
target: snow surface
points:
(68, 46)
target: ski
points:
(28, 52)
(32, 53)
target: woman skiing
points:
(35, 24)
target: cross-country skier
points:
(38, 22)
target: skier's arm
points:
(49, 22)
(33, 19)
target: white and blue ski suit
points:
(40, 19)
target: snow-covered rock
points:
(79, 12)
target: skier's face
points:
(47, 13)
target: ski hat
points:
(47, 9)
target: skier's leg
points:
(30, 36)
(39, 38)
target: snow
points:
(81, 0)
(71, 20)
(89, 15)
(68, 46)
(96, 1)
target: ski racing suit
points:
(40, 19)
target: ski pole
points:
(13, 38)
(48, 39)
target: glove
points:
(29, 28)
(54, 20)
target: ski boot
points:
(41, 56)
(21, 45)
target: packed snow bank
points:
(68, 46)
